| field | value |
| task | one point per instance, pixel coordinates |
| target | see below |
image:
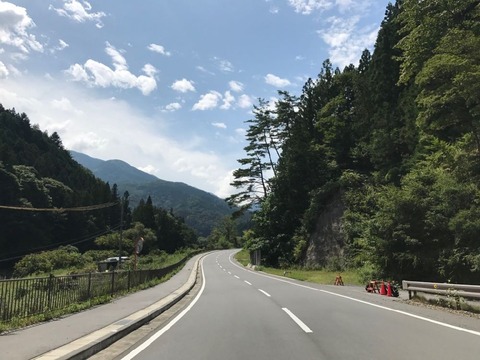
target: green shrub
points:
(33, 264)
(367, 272)
(48, 261)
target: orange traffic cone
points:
(389, 289)
(382, 289)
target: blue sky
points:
(167, 85)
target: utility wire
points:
(61, 210)
(81, 208)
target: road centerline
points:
(298, 321)
(265, 293)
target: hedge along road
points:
(241, 314)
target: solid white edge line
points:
(155, 336)
(298, 321)
(264, 292)
(473, 332)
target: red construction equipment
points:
(338, 280)
(372, 286)
(389, 289)
(383, 291)
(377, 286)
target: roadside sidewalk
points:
(80, 335)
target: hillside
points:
(113, 171)
(378, 165)
(200, 210)
(38, 175)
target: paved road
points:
(240, 314)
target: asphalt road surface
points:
(241, 314)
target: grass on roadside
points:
(243, 257)
(457, 303)
(327, 277)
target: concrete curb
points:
(96, 341)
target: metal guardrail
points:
(20, 298)
(444, 289)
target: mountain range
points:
(201, 210)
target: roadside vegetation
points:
(158, 260)
(68, 260)
(319, 276)
(376, 165)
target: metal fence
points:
(20, 298)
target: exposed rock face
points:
(326, 243)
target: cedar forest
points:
(394, 140)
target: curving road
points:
(240, 314)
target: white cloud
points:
(3, 70)
(158, 49)
(224, 65)
(150, 70)
(183, 85)
(276, 81)
(150, 169)
(97, 74)
(78, 73)
(244, 101)
(208, 101)
(87, 141)
(79, 12)
(91, 132)
(202, 69)
(220, 125)
(236, 86)
(274, 10)
(146, 84)
(173, 107)
(228, 99)
(65, 105)
(14, 25)
(225, 188)
(355, 7)
(346, 40)
(119, 61)
(306, 7)
(61, 45)
(240, 131)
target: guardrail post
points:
(113, 283)
(89, 293)
(50, 291)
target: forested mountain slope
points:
(377, 165)
(201, 210)
(36, 172)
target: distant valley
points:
(200, 210)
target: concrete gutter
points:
(99, 340)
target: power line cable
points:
(80, 208)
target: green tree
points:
(252, 179)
